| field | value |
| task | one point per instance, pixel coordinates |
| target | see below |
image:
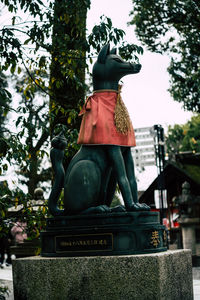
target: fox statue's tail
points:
(56, 154)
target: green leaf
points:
(42, 61)
(19, 70)
(5, 167)
(27, 41)
(12, 69)
(13, 20)
(58, 84)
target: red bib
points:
(98, 125)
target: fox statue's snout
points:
(110, 68)
(136, 67)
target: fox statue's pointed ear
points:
(103, 53)
(113, 51)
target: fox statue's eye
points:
(118, 60)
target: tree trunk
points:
(67, 72)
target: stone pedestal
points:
(164, 275)
(104, 234)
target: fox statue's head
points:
(110, 68)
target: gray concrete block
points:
(164, 276)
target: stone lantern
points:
(189, 218)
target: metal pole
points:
(160, 161)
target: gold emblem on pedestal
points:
(155, 241)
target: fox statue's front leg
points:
(57, 153)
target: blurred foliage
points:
(172, 27)
(27, 148)
(4, 291)
(184, 137)
(33, 129)
(116, 200)
(193, 171)
(5, 100)
(23, 208)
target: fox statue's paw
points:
(143, 206)
(118, 208)
(96, 210)
(138, 207)
(133, 207)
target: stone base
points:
(165, 275)
(104, 234)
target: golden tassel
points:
(121, 117)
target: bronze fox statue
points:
(93, 173)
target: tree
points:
(68, 58)
(172, 26)
(67, 68)
(33, 130)
(5, 99)
(13, 56)
(184, 137)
